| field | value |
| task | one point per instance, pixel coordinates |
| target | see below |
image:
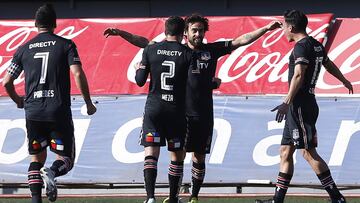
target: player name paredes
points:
(168, 53)
(42, 44)
(44, 93)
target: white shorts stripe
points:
(305, 138)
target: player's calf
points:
(62, 165)
(35, 181)
(150, 173)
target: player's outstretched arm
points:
(135, 40)
(254, 35)
(334, 70)
(8, 84)
(82, 84)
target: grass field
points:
(203, 200)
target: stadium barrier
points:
(245, 137)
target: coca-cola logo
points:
(16, 37)
(252, 66)
(347, 66)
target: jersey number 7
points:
(44, 56)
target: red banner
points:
(259, 68)
(343, 48)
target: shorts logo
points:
(174, 144)
(38, 145)
(35, 145)
(152, 137)
(296, 134)
(57, 144)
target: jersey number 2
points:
(169, 74)
(44, 56)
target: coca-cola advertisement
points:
(258, 68)
(343, 47)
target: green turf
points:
(203, 200)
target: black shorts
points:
(158, 128)
(300, 127)
(199, 133)
(58, 135)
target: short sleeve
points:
(15, 67)
(300, 55)
(72, 54)
(144, 59)
(143, 71)
(222, 48)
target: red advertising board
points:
(343, 47)
(259, 68)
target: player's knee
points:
(177, 155)
(285, 154)
(39, 157)
(308, 154)
(198, 158)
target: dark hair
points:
(297, 19)
(196, 18)
(174, 26)
(45, 17)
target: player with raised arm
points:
(201, 82)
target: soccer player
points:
(47, 60)
(300, 107)
(164, 121)
(201, 82)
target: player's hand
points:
(20, 102)
(274, 25)
(349, 86)
(91, 108)
(111, 32)
(138, 66)
(282, 110)
(217, 82)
